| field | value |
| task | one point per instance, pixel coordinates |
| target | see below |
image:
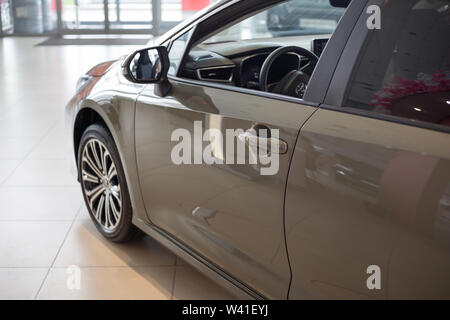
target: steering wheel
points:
(295, 82)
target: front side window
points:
(176, 53)
(274, 50)
(404, 68)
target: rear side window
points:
(404, 68)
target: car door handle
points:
(250, 139)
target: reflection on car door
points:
(370, 177)
(229, 214)
(368, 192)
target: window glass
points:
(404, 69)
(292, 18)
(176, 53)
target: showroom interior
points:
(191, 150)
(45, 232)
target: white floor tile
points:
(39, 203)
(55, 145)
(43, 172)
(86, 247)
(16, 148)
(142, 283)
(30, 244)
(20, 283)
(7, 167)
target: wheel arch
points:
(120, 125)
(85, 118)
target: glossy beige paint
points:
(243, 231)
(364, 192)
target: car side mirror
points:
(149, 65)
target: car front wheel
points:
(104, 185)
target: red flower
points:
(404, 87)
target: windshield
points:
(295, 17)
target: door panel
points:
(230, 214)
(365, 192)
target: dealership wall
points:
(59, 17)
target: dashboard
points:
(240, 64)
(251, 68)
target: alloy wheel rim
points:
(101, 184)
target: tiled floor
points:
(45, 234)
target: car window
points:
(404, 68)
(291, 18)
(233, 53)
(176, 53)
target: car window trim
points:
(251, 92)
(389, 118)
(234, 22)
(190, 31)
(180, 28)
(343, 74)
(322, 77)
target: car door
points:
(229, 214)
(367, 203)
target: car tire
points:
(104, 185)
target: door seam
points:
(284, 201)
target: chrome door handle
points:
(267, 144)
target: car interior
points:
(408, 75)
(275, 50)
